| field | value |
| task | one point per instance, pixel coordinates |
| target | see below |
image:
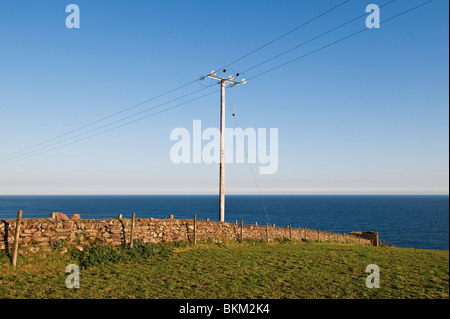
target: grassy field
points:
(230, 270)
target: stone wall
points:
(44, 233)
(369, 235)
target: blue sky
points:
(368, 115)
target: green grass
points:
(251, 269)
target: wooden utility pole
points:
(242, 230)
(16, 238)
(222, 153)
(195, 229)
(132, 229)
(223, 83)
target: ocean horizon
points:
(410, 221)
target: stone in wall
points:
(60, 216)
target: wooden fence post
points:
(318, 235)
(290, 233)
(242, 229)
(195, 229)
(267, 232)
(16, 238)
(133, 216)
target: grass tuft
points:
(96, 255)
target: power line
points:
(7, 161)
(353, 34)
(8, 156)
(251, 168)
(99, 120)
(103, 126)
(310, 40)
(108, 130)
(337, 41)
(283, 35)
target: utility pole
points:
(223, 83)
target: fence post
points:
(133, 216)
(267, 232)
(16, 238)
(329, 236)
(195, 229)
(242, 229)
(318, 236)
(290, 233)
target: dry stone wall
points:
(44, 233)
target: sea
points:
(420, 221)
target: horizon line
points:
(245, 194)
